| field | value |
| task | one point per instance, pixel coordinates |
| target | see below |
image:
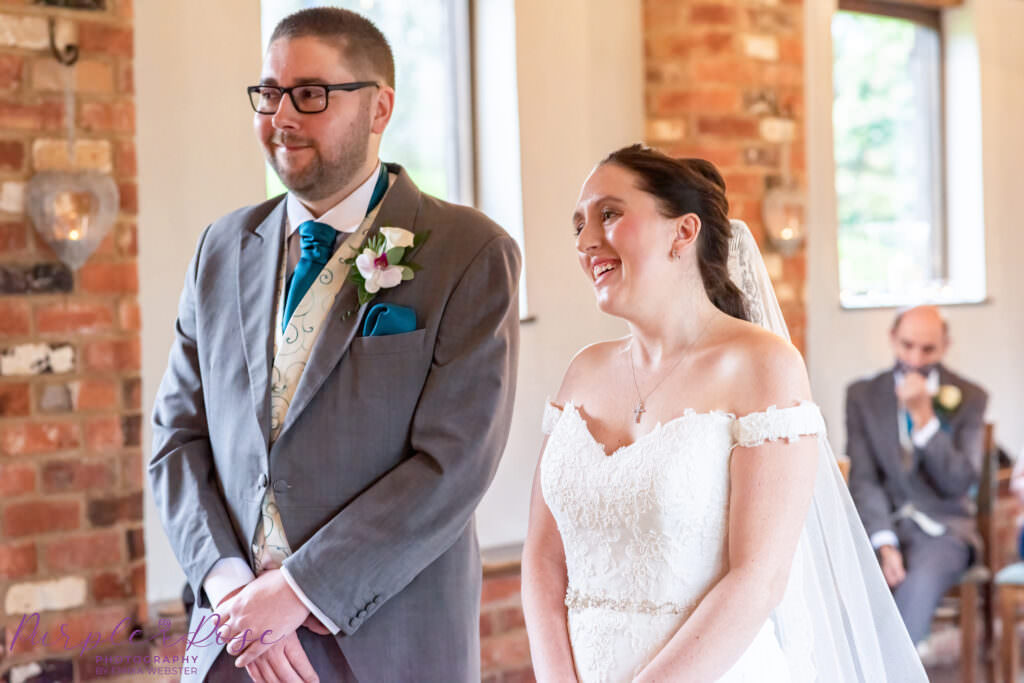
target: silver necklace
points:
(641, 408)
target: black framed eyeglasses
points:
(307, 99)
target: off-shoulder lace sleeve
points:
(778, 423)
(551, 415)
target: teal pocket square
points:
(383, 319)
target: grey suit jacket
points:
(941, 474)
(387, 447)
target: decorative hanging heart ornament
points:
(72, 211)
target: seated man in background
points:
(915, 438)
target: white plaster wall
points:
(580, 75)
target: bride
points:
(688, 521)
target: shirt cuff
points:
(227, 574)
(324, 619)
(922, 436)
(884, 537)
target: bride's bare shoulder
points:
(589, 360)
(769, 369)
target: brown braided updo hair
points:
(683, 186)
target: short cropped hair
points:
(355, 36)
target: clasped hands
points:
(259, 622)
(913, 393)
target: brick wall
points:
(724, 81)
(71, 542)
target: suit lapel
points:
(259, 259)
(887, 416)
(398, 208)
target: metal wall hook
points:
(67, 56)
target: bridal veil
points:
(837, 620)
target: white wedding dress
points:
(645, 536)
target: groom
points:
(317, 457)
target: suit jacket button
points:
(263, 481)
(281, 485)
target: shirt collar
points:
(345, 216)
(932, 380)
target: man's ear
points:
(383, 107)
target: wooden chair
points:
(1010, 586)
(976, 587)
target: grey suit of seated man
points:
(915, 437)
(325, 491)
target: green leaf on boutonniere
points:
(420, 238)
(408, 273)
(395, 255)
(365, 297)
(414, 266)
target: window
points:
(430, 132)
(888, 124)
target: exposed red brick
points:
(14, 399)
(113, 355)
(132, 393)
(77, 475)
(131, 316)
(10, 72)
(500, 588)
(132, 471)
(746, 184)
(96, 549)
(125, 162)
(103, 434)
(699, 101)
(127, 239)
(728, 126)
(107, 117)
(733, 70)
(126, 77)
(104, 512)
(791, 50)
(95, 394)
(105, 38)
(65, 316)
(17, 479)
(17, 560)
(40, 517)
(13, 236)
(43, 116)
(12, 155)
(510, 650)
(29, 438)
(14, 317)
(109, 278)
(712, 14)
(111, 586)
(129, 197)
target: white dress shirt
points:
(346, 216)
(918, 438)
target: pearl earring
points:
(675, 255)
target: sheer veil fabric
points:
(837, 620)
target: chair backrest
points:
(986, 497)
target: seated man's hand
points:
(892, 565)
(285, 661)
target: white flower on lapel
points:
(397, 237)
(377, 272)
(949, 397)
(384, 262)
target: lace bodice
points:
(645, 528)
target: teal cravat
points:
(317, 242)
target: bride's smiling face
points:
(622, 240)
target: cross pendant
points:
(639, 411)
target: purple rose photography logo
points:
(206, 633)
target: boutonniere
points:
(383, 262)
(949, 398)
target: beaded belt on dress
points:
(575, 599)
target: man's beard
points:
(321, 177)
